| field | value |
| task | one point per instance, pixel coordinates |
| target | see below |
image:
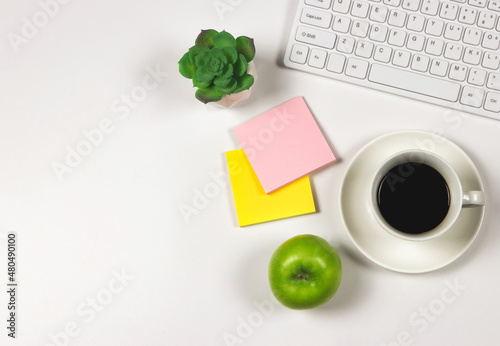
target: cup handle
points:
(472, 199)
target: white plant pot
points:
(232, 100)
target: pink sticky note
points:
(284, 144)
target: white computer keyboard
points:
(442, 52)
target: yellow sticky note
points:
(252, 203)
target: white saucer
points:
(377, 244)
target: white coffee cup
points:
(458, 198)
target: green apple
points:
(304, 272)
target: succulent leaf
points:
(219, 54)
(222, 82)
(224, 39)
(201, 59)
(241, 66)
(231, 54)
(199, 84)
(225, 77)
(209, 94)
(206, 37)
(227, 72)
(246, 46)
(196, 50)
(204, 75)
(186, 68)
(227, 89)
(244, 83)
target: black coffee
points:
(413, 198)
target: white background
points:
(118, 210)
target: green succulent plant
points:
(218, 64)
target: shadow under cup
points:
(416, 195)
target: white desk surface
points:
(105, 256)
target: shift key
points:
(316, 37)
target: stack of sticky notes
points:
(269, 175)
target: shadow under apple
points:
(353, 290)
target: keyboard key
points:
(360, 28)
(397, 18)
(319, 3)
(434, 27)
(472, 36)
(394, 3)
(341, 24)
(364, 49)
(378, 13)
(458, 72)
(411, 5)
(414, 82)
(317, 18)
(420, 63)
(378, 33)
(448, 11)
(397, 37)
(430, 7)
(341, 6)
(467, 15)
(336, 63)
(360, 9)
(477, 77)
(439, 67)
(494, 5)
(416, 22)
(453, 31)
(401, 58)
(453, 51)
(472, 97)
(492, 102)
(491, 60)
(315, 37)
(346, 44)
(356, 68)
(299, 53)
(415, 42)
(493, 81)
(486, 20)
(472, 56)
(434, 46)
(317, 58)
(477, 3)
(491, 40)
(382, 54)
